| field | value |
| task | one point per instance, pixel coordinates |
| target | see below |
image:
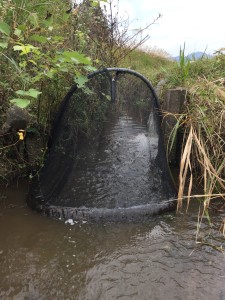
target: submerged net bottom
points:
(119, 178)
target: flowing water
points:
(43, 258)
(120, 174)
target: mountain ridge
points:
(194, 56)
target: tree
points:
(104, 34)
(119, 42)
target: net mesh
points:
(106, 158)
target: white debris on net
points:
(70, 221)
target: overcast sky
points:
(198, 23)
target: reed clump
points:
(203, 123)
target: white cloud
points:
(195, 22)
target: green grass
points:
(149, 63)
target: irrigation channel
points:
(107, 238)
(119, 170)
(44, 258)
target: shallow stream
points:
(43, 258)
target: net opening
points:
(106, 157)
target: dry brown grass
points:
(203, 155)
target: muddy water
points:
(43, 258)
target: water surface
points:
(43, 258)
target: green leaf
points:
(25, 49)
(94, 3)
(65, 17)
(30, 93)
(32, 61)
(17, 32)
(33, 18)
(22, 103)
(90, 68)
(23, 64)
(77, 57)
(58, 38)
(4, 28)
(64, 69)
(17, 48)
(22, 27)
(39, 38)
(49, 21)
(51, 73)
(81, 81)
(3, 45)
(87, 91)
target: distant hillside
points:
(194, 56)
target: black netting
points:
(106, 158)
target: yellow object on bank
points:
(21, 134)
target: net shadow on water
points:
(116, 170)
